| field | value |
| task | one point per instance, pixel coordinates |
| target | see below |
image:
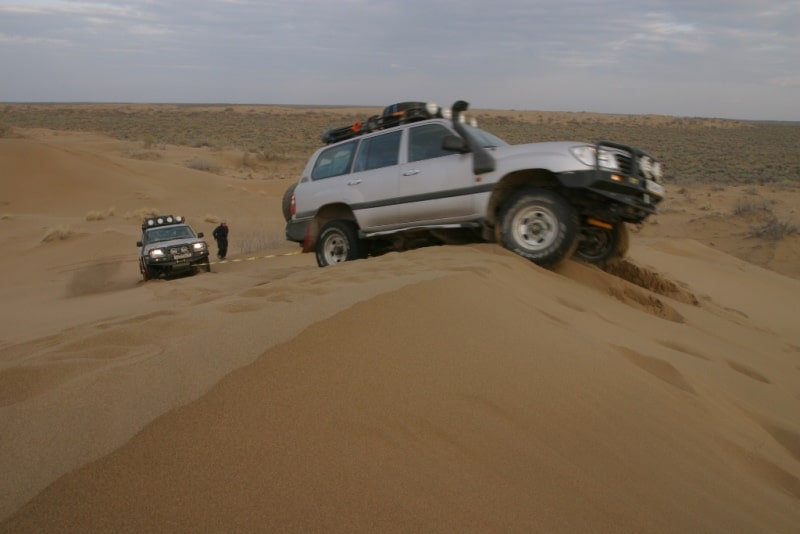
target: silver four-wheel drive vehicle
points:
(419, 174)
(170, 246)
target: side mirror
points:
(139, 244)
(453, 143)
(200, 234)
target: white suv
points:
(419, 174)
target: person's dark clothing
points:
(221, 235)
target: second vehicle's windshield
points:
(168, 233)
(486, 139)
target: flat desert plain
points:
(443, 389)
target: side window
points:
(379, 151)
(425, 142)
(334, 162)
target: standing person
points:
(221, 235)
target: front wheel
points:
(602, 246)
(338, 242)
(148, 273)
(539, 225)
(204, 266)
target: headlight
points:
(658, 172)
(650, 168)
(157, 253)
(199, 246)
(646, 166)
(589, 154)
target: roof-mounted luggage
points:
(394, 115)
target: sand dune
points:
(447, 389)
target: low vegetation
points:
(57, 233)
(258, 241)
(763, 221)
(746, 206)
(774, 229)
(694, 150)
(203, 165)
(99, 215)
(142, 213)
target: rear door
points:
(372, 186)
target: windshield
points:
(486, 139)
(168, 233)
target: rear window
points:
(379, 151)
(334, 161)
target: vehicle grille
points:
(625, 162)
(183, 249)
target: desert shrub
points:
(746, 206)
(257, 241)
(774, 229)
(100, 215)
(253, 156)
(148, 142)
(142, 213)
(147, 153)
(203, 165)
(6, 130)
(59, 233)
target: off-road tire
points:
(204, 266)
(539, 225)
(602, 247)
(338, 242)
(149, 274)
(286, 205)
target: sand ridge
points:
(454, 388)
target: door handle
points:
(411, 173)
(354, 182)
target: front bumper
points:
(178, 262)
(611, 195)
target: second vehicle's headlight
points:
(157, 253)
(199, 246)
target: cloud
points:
(363, 51)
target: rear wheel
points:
(602, 246)
(539, 225)
(338, 242)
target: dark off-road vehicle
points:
(169, 246)
(418, 174)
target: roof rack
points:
(394, 115)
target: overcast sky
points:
(706, 58)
